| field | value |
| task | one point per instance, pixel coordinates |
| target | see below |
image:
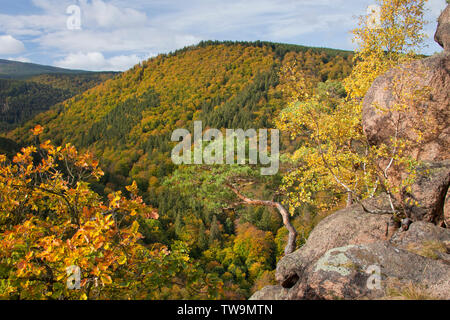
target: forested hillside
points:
(20, 100)
(127, 123)
(95, 205)
(22, 70)
(73, 83)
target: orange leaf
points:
(37, 130)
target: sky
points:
(114, 35)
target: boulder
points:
(419, 232)
(375, 271)
(442, 35)
(345, 227)
(352, 254)
(270, 293)
(425, 239)
(426, 201)
(432, 114)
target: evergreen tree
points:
(202, 242)
(214, 232)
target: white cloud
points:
(47, 5)
(436, 7)
(107, 27)
(123, 62)
(135, 40)
(95, 14)
(107, 15)
(96, 61)
(124, 28)
(10, 45)
(20, 59)
(161, 26)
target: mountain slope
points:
(127, 122)
(20, 70)
(27, 89)
(210, 82)
(21, 100)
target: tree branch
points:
(290, 247)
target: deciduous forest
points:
(87, 180)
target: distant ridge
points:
(27, 89)
(10, 69)
(279, 48)
(226, 84)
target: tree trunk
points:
(291, 245)
(349, 199)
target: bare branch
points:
(290, 247)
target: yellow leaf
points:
(106, 279)
(122, 260)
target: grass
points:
(410, 291)
(428, 249)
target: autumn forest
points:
(87, 180)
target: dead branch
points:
(290, 247)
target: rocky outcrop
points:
(409, 264)
(442, 35)
(352, 254)
(429, 191)
(348, 226)
(432, 113)
(425, 123)
(375, 271)
(432, 75)
(270, 293)
(425, 239)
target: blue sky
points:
(116, 34)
